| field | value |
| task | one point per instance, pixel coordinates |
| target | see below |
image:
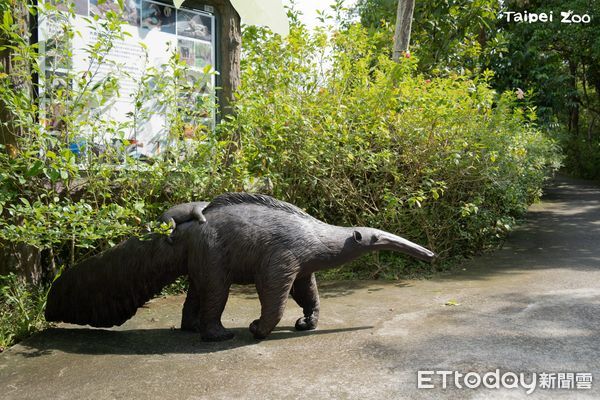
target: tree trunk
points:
(17, 71)
(21, 259)
(574, 97)
(404, 18)
(231, 48)
(229, 41)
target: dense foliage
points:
(360, 140)
(326, 121)
(556, 63)
(560, 64)
(447, 35)
(66, 194)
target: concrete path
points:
(532, 307)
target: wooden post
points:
(404, 17)
(229, 41)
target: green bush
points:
(582, 154)
(357, 139)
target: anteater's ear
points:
(357, 236)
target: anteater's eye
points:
(374, 239)
(357, 236)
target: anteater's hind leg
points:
(305, 293)
(190, 316)
(273, 287)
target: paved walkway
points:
(532, 307)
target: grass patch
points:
(21, 310)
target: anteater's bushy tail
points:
(107, 289)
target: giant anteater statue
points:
(247, 238)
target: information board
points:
(155, 27)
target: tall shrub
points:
(360, 140)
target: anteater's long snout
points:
(389, 241)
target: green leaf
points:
(452, 302)
(35, 169)
(7, 19)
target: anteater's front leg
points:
(305, 293)
(216, 292)
(272, 296)
(273, 285)
(206, 299)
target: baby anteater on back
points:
(184, 213)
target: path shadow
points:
(327, 289)
(562, 232)
(149, 341)
(333, 289)
(554, 331)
